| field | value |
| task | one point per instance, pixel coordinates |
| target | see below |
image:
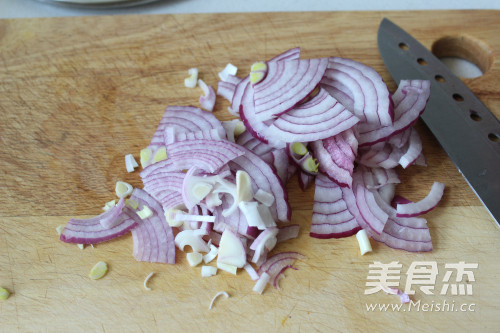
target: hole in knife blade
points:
(403, 46)
(475, 116)
(439, 78)
(422, 61)
(464, 55)
(458, 97)
(494, 137)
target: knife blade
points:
(463, 125)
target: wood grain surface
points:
(77, 94)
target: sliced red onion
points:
(369, 209)
(226, 90)
(207, 155)
(386, 157)
(331, 216)
(383, 177)
(377, 106)
(233, 79)
(153, 238)
(259, 148)
(387, 192)
(423, 206)
(414, 150)
(185, 119)
(171, 136)
(399, 200)
(287, 83)
(91, 231)
(339, 91)
(280, 275)
(207, 100)
(399, 140)
(113, 219)
(266, 240)
(336, 159)
(319, 118)
(274, 265)
(409, 100)
(243, 84)
(288, 232)
(409, 234)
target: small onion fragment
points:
(423, 206)
(130, 163)
(220, 293)
(364, 242)
(147, 279)
(207, 271)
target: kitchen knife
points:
(465, 128)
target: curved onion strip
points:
(336, 159)
(414, 150)
(243, 84)
(91, 231)
(111, 220)
(185, 119)
(378, 104)
(207, 100)
(409, 100)
(287, 232)
(220, 293)
(287, 83)
(409, 234)
(153, 238)
(226, 90)
(272, 263)
(280, 275)
(423, 206)
(319, 118)
(331, 217)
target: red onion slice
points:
(423, 206)
(378, 105)
(185, 119)
(91, 231)
(386, 156)
(287, 83)
(274, 265)
(331, 216)
(226, 90)
(288, 232)
(409, 100)
(153, 238)
(414, 150)
(409, 234)
(258, 147)
(112, 220)
(319, 118)
(336, 159)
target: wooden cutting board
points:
(77, 94)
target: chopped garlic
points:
(230, 69)
(4, 294)
(220, 293)
(364, 241)
(228, 268)
(190, 82)
(243, 186)
(130, 163)
(60, 229)
(211, 255)
(207, 271)
(145, 157)
(109, 205)
(147, 279)
(132, 204)
(160, 155)
(145, 212)
(170, 215)
(123, 189)
(194, 258)
(99, 270)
